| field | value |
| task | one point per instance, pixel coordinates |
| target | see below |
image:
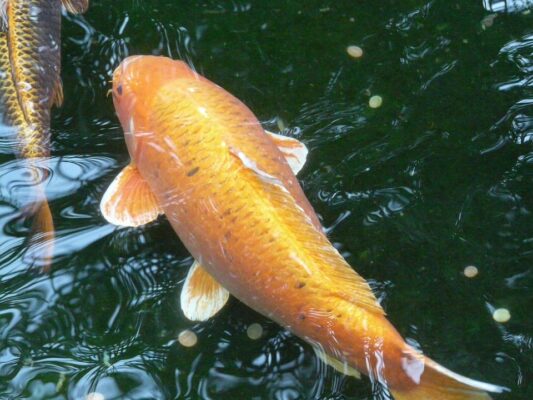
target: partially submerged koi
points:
(228, 188)
(30, 84)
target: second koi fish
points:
(30, 84)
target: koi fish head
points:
(136, 82)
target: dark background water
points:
(436, 179)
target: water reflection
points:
(8, 139)
(436, 179)
(507, 6)
(61, 177)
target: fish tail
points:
(42, 235)
(439, 383)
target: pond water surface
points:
(438, 178)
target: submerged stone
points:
(375, 101)
(187, 338)
(501, 315)
(354, 51)
(254, 331)
(471, 271)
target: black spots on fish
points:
(264, 232)
(227, 212)
(250, 220)
(301, 316)
(300, 285)
(237, 209)
(193, 171)
(339, 315)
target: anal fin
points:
(337, 365)
(201, 296)
(129, 201)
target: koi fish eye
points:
(119, 90)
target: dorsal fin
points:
(75, 6)
(351, 286)
(294, 151)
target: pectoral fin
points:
(129, 201)
(75, 6)
(295, 152)
(340, 366)
(201, 296)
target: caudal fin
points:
(42, 235)
(439, 383)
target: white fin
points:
(201, 296)
(129, 201)
(337, 365)
(295, 152)
(3, 15)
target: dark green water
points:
(438, 178)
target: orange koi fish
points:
(229, 189)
